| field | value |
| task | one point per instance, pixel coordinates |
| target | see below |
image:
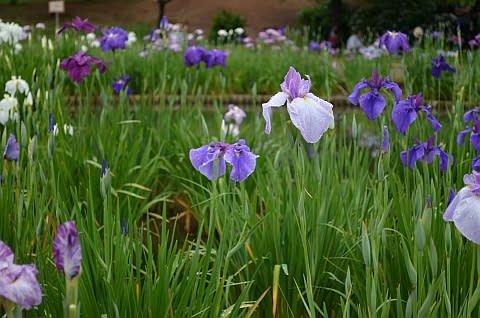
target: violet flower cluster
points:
(394, 41)
(472, 119)
(18, 283)
(113, 39)
(210, 160)
(80, 64)
(426, 152)
(194, 55)
(78, 25)
(464, 209)
(311, 115)
(405, 112)
(439, 65)
(373, 103)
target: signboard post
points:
(56, 7)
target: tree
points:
(161, 9)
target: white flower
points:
(235, 113)
(222, 32)
(55, 130)
(239, 31)
(232, 128)
(68, 129)
(11, 33)
(28, 102)
(8, 109)
(18, 47)
(91, 36)
(16, 84)
(84, 48)
(132, 38)
(40, 26)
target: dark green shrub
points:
(224, 20)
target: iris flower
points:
(464, 210)
(113, 39)
(122, 84)
(194, 55)
(439, 65)
(215, 57)
(164, 25)
(310, 114)
(424, 151)
(405, 112)
(18, 283)
(67, 251)
(210, 160)
(79, 25)
(373, 103)
(235, 114)
(12, 149)
(79, 65)
(472, 115)
(394, 41)
(16, 84)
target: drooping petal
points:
(243, 161)
(207, 161)
(372, 104)
(452, 206)
(67, 251)
(403, 115)
(466, 217)
(475, 141)
(353, 97)
(410, 157)
(6, 255)
(435, 123)
(471, 115)
(394, 88)
(18, 283)
(462, 134)
(276, 100)
(311, 117)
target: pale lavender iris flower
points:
(394, 41)
(67, 251)
(373, 103)
(310, 114)
(18, 283)
(405, 112)
(210, 160)
(464, 209)
(424, 151)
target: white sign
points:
(56, 7)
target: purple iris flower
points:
(310, 114)
(215, 57)
(122, 84)
(405, 112)
(194, 55)
(464, 209)
(18, 283)
(79, 65)
(424, 151)
(164, 23)
(113, 39)
(12, 149)
(373, 103)
(210, 160)
(472, 115)
(67, 251)
(394, 41)
(385, 145)
(314, 46)
(439, 65)
(79, 25)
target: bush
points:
(224, 20)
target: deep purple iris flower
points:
(194, 55)
(67, 251)
(113, 39)
(215, 57)
(473, 116)
(18, 283)
(12, 149)
(51, 123)
(439, 65)
(405, 112)
(121, 85)
(385, 145)
(394, 41)
(79, 65)
(424, 151)
(79, 25)
(210, 160)
(373, 103)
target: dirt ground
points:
(259, 14)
